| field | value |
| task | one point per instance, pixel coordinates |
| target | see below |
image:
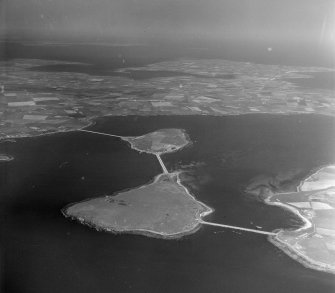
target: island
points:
(313, 244)
(5, 158)
(159, 142)
(163, 208)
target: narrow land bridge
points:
(106, 134)
(237, 228)
(201, 221)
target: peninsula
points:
(313, 244)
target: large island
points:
(163, 208)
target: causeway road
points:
(237, 228)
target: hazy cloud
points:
(283, 19)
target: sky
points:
(286, 20)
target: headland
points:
(313, 244)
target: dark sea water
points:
(41, 251)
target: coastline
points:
(299, 257)
(283, 246)
(311, 174)
(141, 232)
(132, 146)
(289, 249)
(206, 211)
(92, 121)
(308, 223)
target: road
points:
(162, 164)
(237, 228)
(107, 134)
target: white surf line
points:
(89, 131)
(237, 228)
(162, 164)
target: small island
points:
(313, 244)
(159, 142)
(5, 158)
(163, 208)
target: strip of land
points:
(100, 133)
(237, 228)
(162, 164)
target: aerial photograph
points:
(166, 146)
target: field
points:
(163, 208)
